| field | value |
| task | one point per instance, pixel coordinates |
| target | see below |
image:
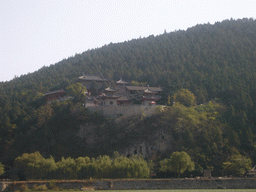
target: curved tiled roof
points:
(139, 88)
(122, 82)
(53, 92)
(123, 98)
(92, 78)
(149, 91)
(109, 89)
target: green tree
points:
(78, 91)
(169, 100)
(164, 165)
(237, 165)
(1, 169)
(66, 168)
(44, 114)
(24, 163)
(94, 88)
(88, 170)
(178, 163)
(104, 165)
(48, 168)
(120, 167)
(185, 97)
(135, 83)
(42, 169)
(81, 163)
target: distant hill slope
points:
(212, 61)
(207, 59)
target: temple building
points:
(121, 83)
(59, 95)
(123, 100)
(108, 97)
(87, 81)
(133, 91)
(149, 97)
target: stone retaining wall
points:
(128, 184)
(127, 110)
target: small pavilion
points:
(108, 97)
(123, 100)
(149, 97)
(87, 81)
(55, 95)
(121, 83)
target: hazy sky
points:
(36, 33)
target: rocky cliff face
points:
(87, 133)
(146, 143)
(156, 144)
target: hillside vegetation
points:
(211, 61)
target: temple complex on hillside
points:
(120, 94)
(123, 94)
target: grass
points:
(159, 190)
(173, 190)
(185, 190)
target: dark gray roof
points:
(139, 88)
(58, 91)
(156, 97)
(92, 78)
(122, 82)
(109, 89)
(150, 91)
(123, 98)
(109, 96)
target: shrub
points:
(42, 188)
(34, 188)
(1, 169)
(51, 185)
(23, 188)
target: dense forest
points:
(214, 62)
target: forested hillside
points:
(212, 61)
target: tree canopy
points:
(184, 97)
(35, 167)
(178, 163)
(237, 165)
(1, 169)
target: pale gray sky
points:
(37, 33)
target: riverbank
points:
(130, 184)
